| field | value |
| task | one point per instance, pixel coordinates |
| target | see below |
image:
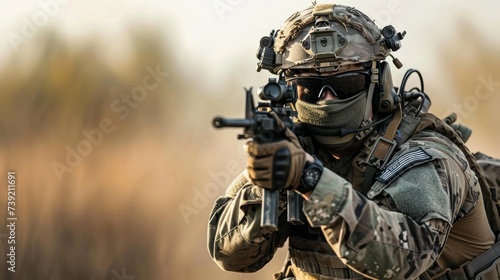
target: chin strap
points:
(369, 98)
(384, 145)
(366, 126)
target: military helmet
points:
(324, 37)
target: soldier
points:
(387, 194)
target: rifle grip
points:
(270, 200)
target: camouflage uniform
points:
(424, 213)
(408, 219)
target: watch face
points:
(311, 177)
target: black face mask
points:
(344, 85)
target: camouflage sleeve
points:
(235, 239)
(365, 234)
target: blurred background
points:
(106, 110)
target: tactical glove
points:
(276, 165)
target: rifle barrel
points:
(220, 122)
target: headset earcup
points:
(384, 96)
(378, 90)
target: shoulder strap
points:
(382, 150)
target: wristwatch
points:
(310, 175)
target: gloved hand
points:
(284, 159)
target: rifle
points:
(260, 126)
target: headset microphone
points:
(345, 131)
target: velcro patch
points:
(401, 163)
(323, 9)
